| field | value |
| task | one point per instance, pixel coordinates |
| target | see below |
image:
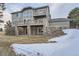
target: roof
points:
(42, 7)
(30, 8)
(59, 20)
(26, 8)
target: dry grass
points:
(6, 41)
(23, 39)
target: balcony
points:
(29, 22)
(40, 12)
(36, 22)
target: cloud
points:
(55, 9)
(61, 10)
(12, 7)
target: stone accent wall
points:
(54, 32)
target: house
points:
(61, 23)
(36, 21)
(31, 21)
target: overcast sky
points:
(62, 10)
(12, 7)
(57, 10)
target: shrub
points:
(9, 29)
(1, 29)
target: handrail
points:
(29, 22)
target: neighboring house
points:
(31, 21)
(36, 21)
(61, 23)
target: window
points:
(19, 14)
(27, 14)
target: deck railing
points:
(29, 22)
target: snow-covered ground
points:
(67, 45)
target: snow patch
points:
(66, 45)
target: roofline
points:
(30, 8)
(42, 7)
(15, 12)
(58, 21)
(54, 20)
(60, 18)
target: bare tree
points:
(9, 29)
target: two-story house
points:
(31, 21)
(37, 21)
